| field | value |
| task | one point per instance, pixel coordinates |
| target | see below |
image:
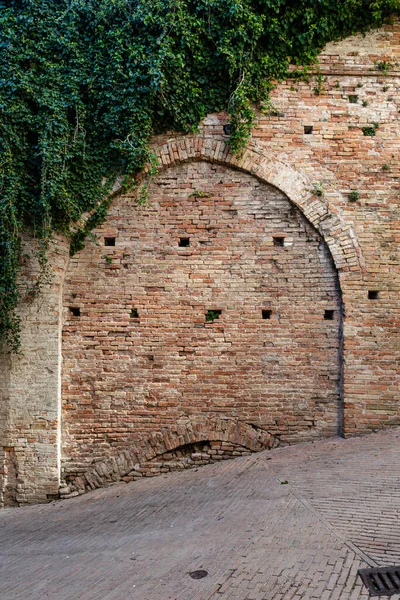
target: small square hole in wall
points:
(329, 315)
(373, 294)
(109, 241)
(75, 311)
(184, 242)
(279, 241)
(211, 315)
(308, 129)
(134, 314)
(266, 313)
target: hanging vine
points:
(84, 84)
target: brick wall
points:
(343, 159)
(116, 394)
(141, 355)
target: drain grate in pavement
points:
(381, 581)
(198, 574)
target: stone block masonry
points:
(253, 301)
(30, 391)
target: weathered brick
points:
(170, 373)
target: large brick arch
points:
(339, 157)
(157, 443)
(322, 213)
(147, 446)
(247, 431)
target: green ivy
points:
(84, 84)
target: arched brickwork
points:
(158, 443)
(123, 377)
(340, 157)
(325, 217)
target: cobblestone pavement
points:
(258, 537)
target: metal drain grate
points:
(198, 574)
(381, 581)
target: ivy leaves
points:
(84, 84)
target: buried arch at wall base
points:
(151, 448)
(139, 373)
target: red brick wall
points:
(125, 377)
(114, 408)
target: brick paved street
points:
(258, 537)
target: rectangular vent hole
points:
(109, 241)
(184, 242)
(373, 294)
(266, 314)
(212, 315)
(308, 129)
(279, 241)
(75, 311)
(381, 581)
(134, 313)
(228, 129)
(329, 315)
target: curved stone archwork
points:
(323, 215)
(113, 468)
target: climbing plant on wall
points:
(84, 84)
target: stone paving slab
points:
(258, 537)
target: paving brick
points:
(258, 539)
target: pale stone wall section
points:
(363, 49)
(31, 429)
(5, 364)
